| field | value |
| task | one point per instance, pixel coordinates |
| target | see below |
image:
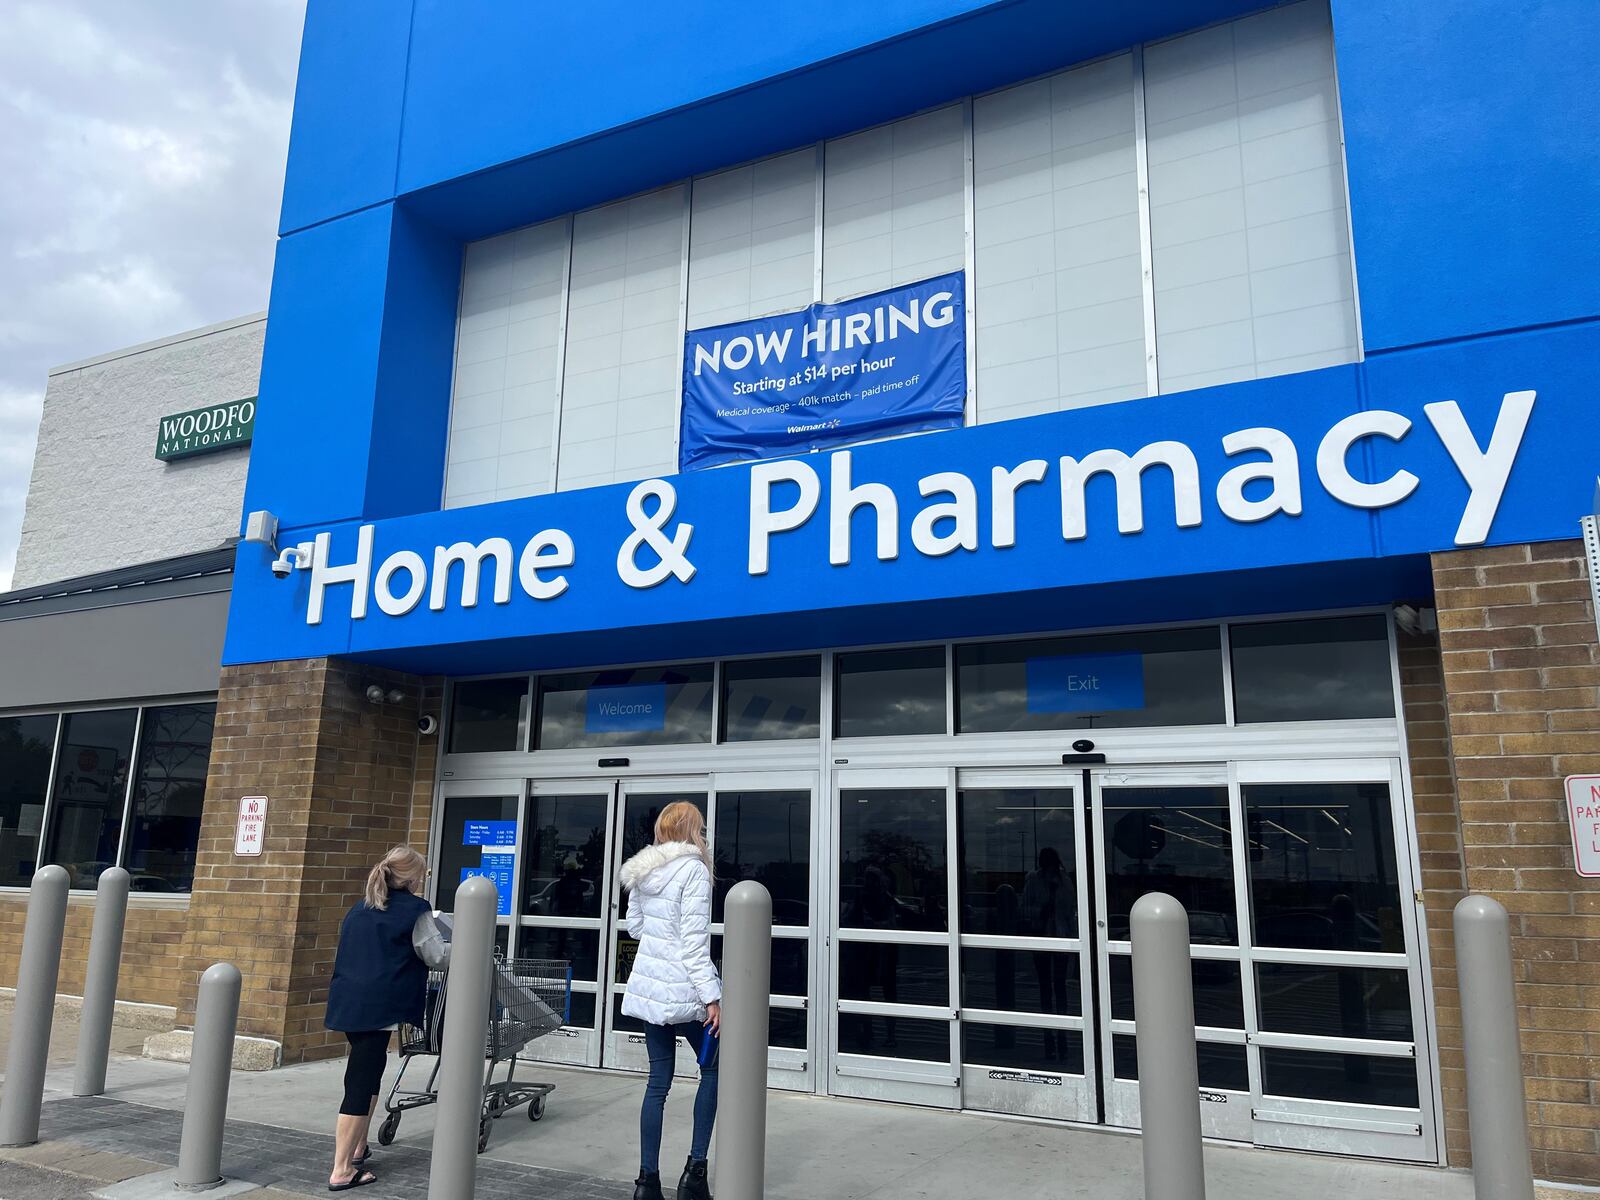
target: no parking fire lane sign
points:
(1583, 811)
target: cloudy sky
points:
(142, 146)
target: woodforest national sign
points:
(204, 430)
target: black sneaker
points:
(692, 1185)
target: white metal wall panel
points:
(752, 235)
(1059, 296)
(502, 415)
(619, 399)
(894, 204)
(1250, 239)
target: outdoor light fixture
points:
(374, 693)
(262, 527)
(396, 695)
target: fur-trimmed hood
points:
(643, 872)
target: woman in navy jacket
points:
(387, 944)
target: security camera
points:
(282, 567)
(427, 724)
(289, 559)
(1083, 745)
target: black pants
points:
(363, 1072)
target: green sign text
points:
(202, 430)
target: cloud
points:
(143, 164)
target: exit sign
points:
(206, 430)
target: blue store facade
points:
(997, 458)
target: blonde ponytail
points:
(401, 868)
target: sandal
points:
(363, 1158)
(359, 1179)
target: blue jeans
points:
(661, 1042)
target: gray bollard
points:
(100, 983)
(205, 1103)
(1497, 1108)
(746, 1005)
(453, 1173)
(1169, 1077)
(37, 975)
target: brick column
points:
(341, 775)
(1522, 682)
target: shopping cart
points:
(530, 998)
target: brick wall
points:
(1522, 691)
(340, 775)
(152, 947)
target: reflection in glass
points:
(1359, 1002)
(1058, 1051)
(488, 715)
(894, 1037)
(889, 693)
(786, 1028)
(650, 706)
(1345, 1078)
(771, 698)
(90, 791)
(766, 836)
(455, 855)
(1019, 864)
(1026, 981)
(1181, 671)
(580, 947)
(26, 744)
(1218, 995)
(169, 790)
(1330, 669)
(892, 973)
(789, 959)
(1323, 874)
(564, 856)
(1175, 840)
(892, 862)
(1221, 1065)
(582, 1011)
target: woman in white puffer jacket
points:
(673, 987)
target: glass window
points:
(1325, 1001)
(1058, 1051)
(503, 398)
(894, 1037)
(1247, 206)
(1109, 681)
(1027, 981)
(766, 836)
(1221, 1065)
(1332, 669)
(771, 698)
(474, 826)
(892, 859)
(488, 715)
(1323, 874)
(90, 792)
(631, 706)
(1218, 996)
(580, 947)
(1060, 292)
(789, 959)
(582, 1014)
(881, 693)
(565, 860)
(786, 1028)
(619, 400)
(894, 973)
(752, 238)
(26, 744)
(1019, 863)
(169, 791)
(1343, 1078)
(894, 204)
(1176, 840)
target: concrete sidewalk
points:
(587, 1144)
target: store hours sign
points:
(206, 430)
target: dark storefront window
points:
(632, 706)
(1112, 681)
(169, 791)
(488, 715)
(772, 698)
(766, 836)
(885, 693)
(1332, 669)
(478, 836)
(26, 744)
(91, 785)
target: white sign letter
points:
(382, 585)
(763, 521)
(357, 573)
(1003, 493)
(1485, 471)
(1129, 472)
(962, 508)
(1334, 471)
(843, 500)
(471, 559)
(550, 548)
(1282, 468)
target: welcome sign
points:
(830, 374)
